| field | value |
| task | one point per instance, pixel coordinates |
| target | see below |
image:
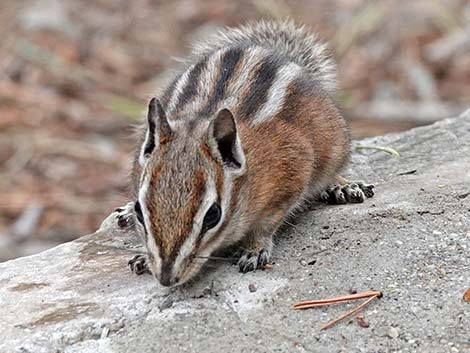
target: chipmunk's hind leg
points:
(343, 191)
(138, 265)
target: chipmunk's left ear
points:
(223, 132)
(158, 130)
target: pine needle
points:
(338, 300)
(348, 314)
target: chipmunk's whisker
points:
(217, 258)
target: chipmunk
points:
(238, 142)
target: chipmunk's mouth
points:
(169, 282)
(168, 277)
(191, 269)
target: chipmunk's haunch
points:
(236, 143)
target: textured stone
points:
(411, 241)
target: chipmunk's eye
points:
(211, 218)
(138, 213)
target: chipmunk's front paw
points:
(252, 260)
(138, 265)
(125, 215)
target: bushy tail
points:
(295, 42)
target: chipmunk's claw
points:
(125, 215)
(354, 192)
(138, 265)
(333, 196)
(368, 189)
(252, 260)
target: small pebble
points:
(166, 303)
(207, 291)
(393, 332)
(303, 262)
(105, 332)
(361, 321)
(252, 288)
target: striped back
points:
(250, 81)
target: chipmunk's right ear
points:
(223, 130)
(158, 129)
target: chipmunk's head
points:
(184, 195)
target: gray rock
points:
(411, 241)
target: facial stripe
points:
(228, 205)
(228, 66)
(219, 174)
(189, 245)
(151, 244)
(277, 93)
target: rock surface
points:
(411, 241)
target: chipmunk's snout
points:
(167, 280)
(166, 276)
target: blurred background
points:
(76, 74)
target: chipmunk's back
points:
(254, 71)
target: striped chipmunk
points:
(239, 140)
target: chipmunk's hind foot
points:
(344, 192)
(138, 265)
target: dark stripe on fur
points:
(258, 91)
(228, 66)
(190, 90)
(166, 96)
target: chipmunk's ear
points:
(223, 131)
(158, 129)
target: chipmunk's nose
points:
(166, 280)
(166, 276)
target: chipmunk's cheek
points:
(189, 272)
